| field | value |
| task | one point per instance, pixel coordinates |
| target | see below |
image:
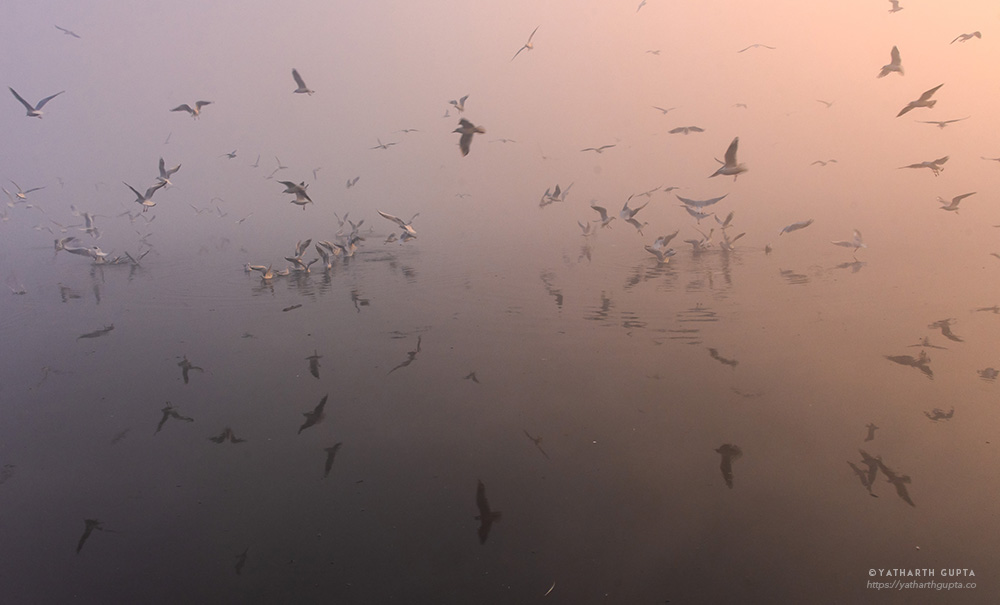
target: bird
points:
(757, 46)
(145, 200)
(598, 149)
(487, 516)
(537, 441)
(728, 243)
(795, 226)
(898, 481)
(382, 145)
(952, 206)
(943, 123)
(945, 326)
(714, 354)
(823, 162)
(22, 194)
(828, 104)
(697, 214)
(641, 4)
(863, 475)
(186, 366)
(352, 182)
(241, 560)
(406, 225)
(315, 416)
(662, 110)
(731, 167)
(165, 174)
(855, 242)
(662, 254)
(302, 88)
(871, 431)
(467, 129)
(605, 219)
(729, 453)
(895, 6)
(894, 64)
(67, 32)
(301, 197)
(168, 413)
(231, 155)
(965, 37)
(410, 356)
(686, 130)
(700, 245)
(527, 45)
(36, 111)
(924, 101)
(194, 112)
(939, 414)
(315, 357)
(700, 203)
(226, 435)
(459, 105)
(89, 526)
(935, 166)
(266, 273)
(331, 452)
(921, 363)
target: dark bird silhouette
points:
(331, 452)
(939, 414)
(315, 416)
(723, 360)
(90, 526)
(227, 433)
(67, 32)
(168, 413)
(686, 130)
(871, 431)
(863, 475)
(410, 356)
(314, 363)
(537, 441)
(186, 367)
(486, 515)
(729, 453)
(472, 376)
(921, 363)
(926, 342)
(467, 129)
(945, 327)
(241, 560)
(97, 333)
(898, 481)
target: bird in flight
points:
(895, 6)
(331, 453)
(796, 226)
(36, 111)
(757, 46)
(302, 88)
(315, 416)
(686, 129)
(894, 65)
(467, 129)
(729, 453)
(527, 45)
(952, 206)
(459, 105)
(407, 227)
(67, 32)
(965, 37)
(731, 167)
(924, 101)
(662, 110)
(598, 149)
(166, 173)
(486, 515)
(943, 123)
(382, 145)
(194, 112)
(146, 201)
(936, 166)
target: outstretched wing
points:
(21, 99)
(47, 99)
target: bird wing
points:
(21, 99)
(201, 104)
(465, 142)
(392, 218)
(152, 190)
(959, 198)
(731, 152)
(928, 94)
(298, 78)
(602, 211)
(894, 55)
(47, 99)
(184, 107)
(700, 203)
(536, 29)
(137, 195)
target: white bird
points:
(298, 189)
(406, 225)
(146, 201)
(662, 255)
(964, 37)
(700, 203)
(952, 206)
(527, 46)
(685, 130)
(605, 219)
(467, 129)
(701, 244)
(936, 166)
(661, 242)
(796, 226)
(302, 88)
(22, 194)
(894, 65)
(165, 174)
(628, 213)
(698, 215)
(459, 105)
(727, 244)
(266, 274)
(855, 242)
(756, 46)
(36, 111)
(88, 223)
(924, 101)
(194, 112)
(731, 167)
(895, 6)
(943, 123)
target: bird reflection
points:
(863, 476)
(537, 441)
(315, 416)
(331, 452)
(97, 333)
(871, 431)
(486, 515)
(921, 363)
(898, 481)
(926, 342)
(226, 434)
(186, 366)
(729, 453)
(241, 560)
(723, 360)
(168, 413)
(945, 326)
(410, 356)
(988, 374)
(939, 414)
(89, 526)
(314, 363)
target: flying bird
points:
(467, 129)
(598, 149)
(686, 130)
(952, 206)
(302, 88)
(315, 357)
(943, 123)
(700, 203)
(871, 431)
(662, 110)
(486, 515)
(194, 112)
(605, 219)
(382, 145)
(921, 363)
(796, 226)
(731, 167)
(894, 64)
(527, 46)
(186, 366)
(410, 356)
(757, 46)
(729, 453)
(964, 37)
(895, 6)
(165, 173)
(935, 166)
(315, 416)
(145, 200)
(331, 453)
(89, 526)
(36, 111)
(168, 413)
(67, 32)
(408, 231)
(945, 326)
(855, 242)
(459, 105)
(924, 101)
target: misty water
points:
(689, 431)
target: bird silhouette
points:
(186, 366)
(168, 413)
(89, 526)
(486, 515)
(314, 362)
(729, 453)
(331, 452)
(410, 356)
(315, 416)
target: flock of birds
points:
(350, 236)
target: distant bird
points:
(898, 481)
(605, 219)
(714, 354)
(700, 203)
(406, 225)
(186, 366)
(67, 32)
(315, 416)
(352, 182)
(382, 145)
(89, 526)
(894, 65)
(315, 357)
(943, 123)
(697, 214)
(662, 255)
(990, 159)
(662, 110)
(241, 560)
(22, 194)
(331, 453)
(598, 149)
(653, 52)
(855, 242)
(165, 173)
(729, 453)
(895, 6)
(796, 226)
(226, 435)
(145, 200)
(472, 376)
(36, 111)
(952, 206)
(828, 104)
(823, 162)
(467, 129)
(686, 130)
(965, 37)
(459, 105)
(757, 46)
(731, 167)
(873, 463)
(863, 475)
(641, 4)
(939, 414)
(527, 45)
(924, 101)
(871, 431)
(935, 166)
(945, 326)
(537, 441)
(921, 363)
(300, 83)
(487, 516)
(926, 342)
(410, 356)
(194, 112)
(231, 155)
(168, 413)
(299, 189)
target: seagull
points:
(89, 526)
(898, 481)
(796, 226)
(828, 104)
(945, 326)
(943, 123)
(382, 145)
(921, 363)
(627, 213)
(757, 46)
(299, 189)
(36, 111)
(662, 254)
(871, 431)
(895, 6)
(352, 182)
(952, 206)
(67, 32)
(486, 515)
(605, 219)
(700, 203)
(894, 64)
(226, 434)
(194, 112)
(686, 130)
(22, 194)
(186, 366)
(315, 416)
(331, 453)
(699, 245)
(727, 243)
(823, 162)
(302, 88)
(315, 357)
(146, 201)
(965, 37)
(662, 110)
(924, 101)
(168, 413)
(729, 453)
(527, 46)
(467, 129)
(990, 159)
(641, 4)
(698, 215)
(231, 155)
(165, 174)
(265, 272)
(855, 242)
(731, 167)
(406, 225)
(410, 356)
(936, 166)
(598, 149)
(459, 105)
